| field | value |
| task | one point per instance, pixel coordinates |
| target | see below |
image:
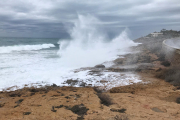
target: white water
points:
(88, 47)
(9, 49)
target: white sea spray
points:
(88, 47)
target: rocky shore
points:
(156, 97)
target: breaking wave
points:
(9, 49)
(90, 46)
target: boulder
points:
(99, 66)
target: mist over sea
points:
(35, 61)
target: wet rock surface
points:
(75, 82)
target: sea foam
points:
(9, 49)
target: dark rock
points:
(120, 62)
(16, 106)
(166, 63)
(68, 107)
(19, 101)
(34, 90)
(155, 109)
(54, 85)
(118, 110)
(89, 84)
(79, 109)
(98, 90)
(105, 99)
(78, 95)
(80, 118)
(25, 96)
(67, 97)
(82, 84)
(15, 94)
(178, 100)
(103, 81)
(59, 106)
(2, 105)
(32, 94)
(121, 69)
(55, 95)
(122, 110)
(161, 57)
(144, 66)
(72, 82)
(99, 66)
(26, 113)
(53, 110)
(178, 88)
(95, 71)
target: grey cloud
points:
(52, 17)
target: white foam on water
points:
(9, 49)
(88, 47)
(105, 79)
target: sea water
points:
(37, 61)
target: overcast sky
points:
(51, 18)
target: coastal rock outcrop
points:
(100, 66)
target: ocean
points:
(23, 59)
(37, 62)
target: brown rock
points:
(103, 81)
